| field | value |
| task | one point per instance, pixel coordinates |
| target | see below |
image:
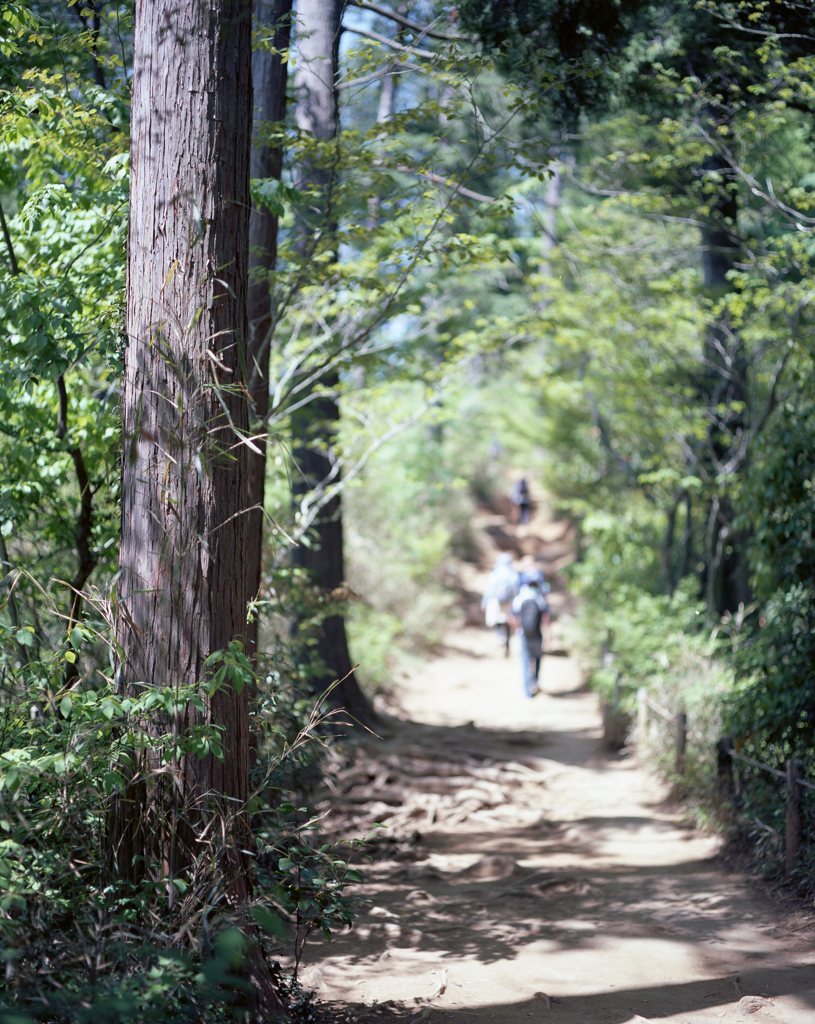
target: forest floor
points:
(523, 872)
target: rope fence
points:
(726, 758)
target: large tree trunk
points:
(314, 425)
(726, 393)
(273, 18)
(183, 563)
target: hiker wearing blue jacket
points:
(530, 609)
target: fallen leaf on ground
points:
(752, 1004)
(441, 988)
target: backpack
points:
(530, 616)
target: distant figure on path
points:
(530, 610)
(502, 586)
(521, 500)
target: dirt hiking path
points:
(524, 873)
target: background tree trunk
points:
(273, 18)
(384, 112)
(183, 560)
(726, 393)
(314, 425)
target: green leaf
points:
(113, 782)
(269, 922)
(108, 707)
(66, 706)
(25, 637)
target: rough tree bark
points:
(314, 426)
(269, 71)
(183, 573)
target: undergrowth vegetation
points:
(78, 944)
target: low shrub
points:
(80, 944)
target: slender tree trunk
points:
(88, 14)
(314, 425)
(273, 18)
(553, 198)
(5, 564)
(384, 112)
(667, 552)
(726, 393)
(387, 93)
(687, 554)
(183, 577)
(552, 202)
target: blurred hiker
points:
(496, 603)
(530, 610)
(521, 500)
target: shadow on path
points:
(639, 1003)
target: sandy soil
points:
(525, 873)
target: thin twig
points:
(391, 43)
(400, 19)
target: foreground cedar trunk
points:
(314, 425)
(183, 575)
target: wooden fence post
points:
(793, 823)
(681, 743)
(725, 788)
